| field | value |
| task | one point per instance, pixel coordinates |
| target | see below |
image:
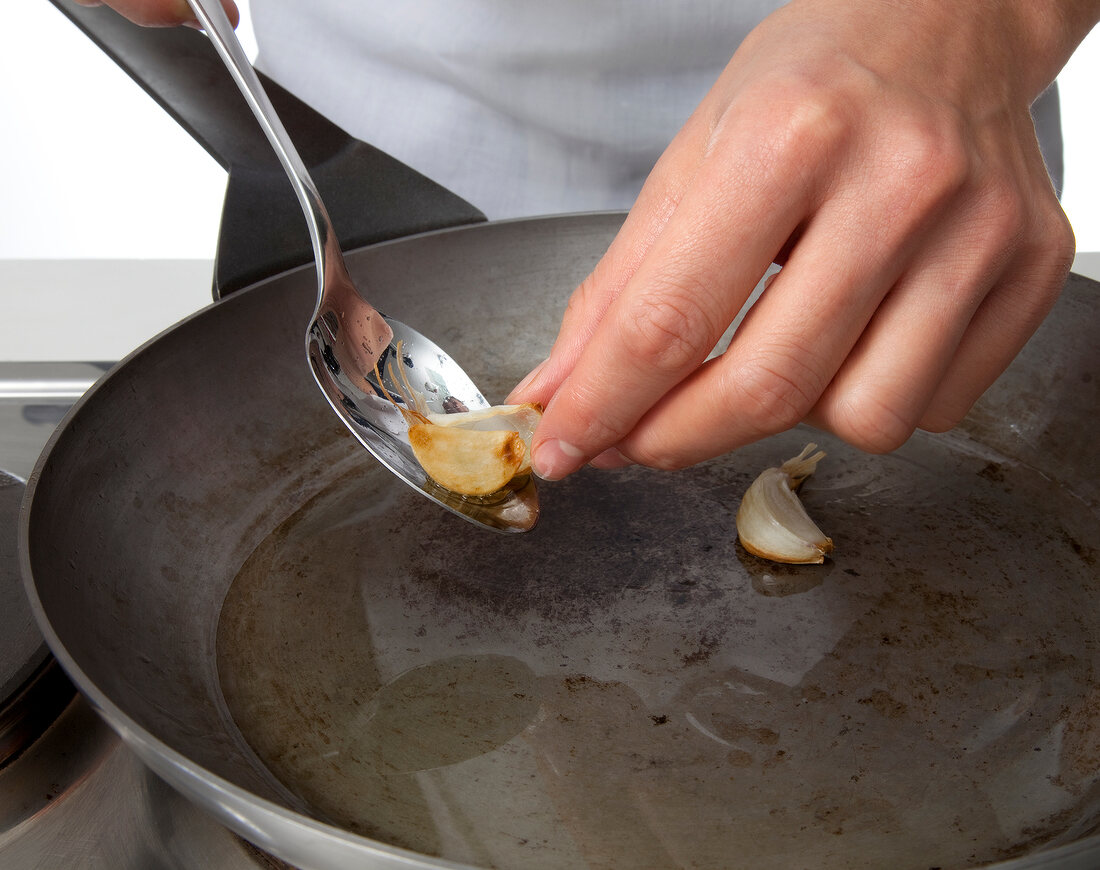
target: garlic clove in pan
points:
(772, 522)
(476, 453)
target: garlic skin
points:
(771, 521)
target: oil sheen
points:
(625, 687)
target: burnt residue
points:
(1087, 553)
(599, 538)
(884, 704)
(993, 472)
(704, 648)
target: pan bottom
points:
(626, 687)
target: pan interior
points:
(626, 687)
(622, 686)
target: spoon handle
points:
(216, 23)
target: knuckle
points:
(580, 300)
(1058, 237)
(872, 424)
(594, 424)
(814, 128)
(774, 395)
(669, 331)
(922, 165)
(927, 153)
(799, 124)
(1041, 272)
(816, 122)
(1052, 244)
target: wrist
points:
(1010, 50)
(1048, 33)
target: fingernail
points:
(554, 459)
(193, 24)
(610, 459)
(527, 381)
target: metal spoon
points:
(346, 336)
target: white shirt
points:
(521, 107)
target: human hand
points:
(160, 13)
(881, 151)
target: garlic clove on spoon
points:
(521, 419)
(473, 462)
(772, 522)
(476, 452)
(471, 453)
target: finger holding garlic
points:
(772, 522)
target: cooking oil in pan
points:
(625, 687)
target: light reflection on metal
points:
(346, 336)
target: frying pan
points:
(347, 676)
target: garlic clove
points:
(521, 419)
(772, 522)
(469, 461)
(474, 453)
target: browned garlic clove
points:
(771, 521)
(467, 461)
(474, 453)
(521, 419)
(477, 452)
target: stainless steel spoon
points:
(346, 336)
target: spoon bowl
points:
(352, 349)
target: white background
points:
(95, 170)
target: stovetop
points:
(71, 794)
